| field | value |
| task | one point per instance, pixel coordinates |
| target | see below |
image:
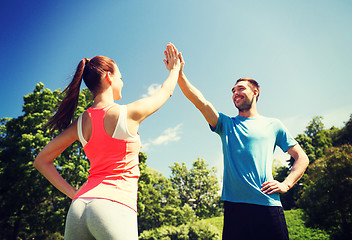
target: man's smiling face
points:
(243, 95)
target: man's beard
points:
(246, 105)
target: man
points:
(252, 207)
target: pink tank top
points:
(114, 162)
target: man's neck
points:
(251, 113)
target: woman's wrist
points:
(175, 69)
(72, 193)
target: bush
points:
(198, 230)
(203, 231)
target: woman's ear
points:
(108, 77)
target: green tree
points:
(327, 197)
(314, 127)
(314, 142)
(158, 201)
(29, 205)
(200, 184)
(344, 136)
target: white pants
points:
(100, 219)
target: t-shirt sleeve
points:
(284, 139)
(219, 124)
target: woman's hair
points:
(91, 71)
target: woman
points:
(106, 205)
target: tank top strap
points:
(121, 129)
(80, 130)
(121, 125)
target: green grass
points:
(297, 229)
(295, 224)
(215, 221)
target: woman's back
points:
(116, 127)
(113, 157)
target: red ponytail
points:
(92, 71)
(67, 107)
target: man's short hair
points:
(253, 84)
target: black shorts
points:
(244, 221)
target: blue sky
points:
(299, 51)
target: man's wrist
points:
(181, 75)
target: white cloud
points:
(281, 156)
(219, 164)
(169, 135)
(152, 89)
(145, 146)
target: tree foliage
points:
(158, 201)
(327, 197)
(314, 142)
(199, 184)
(345, 135)
(29, 205)
(324, 192)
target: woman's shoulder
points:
(114, 110)
(70, 132)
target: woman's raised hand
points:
(172, 57)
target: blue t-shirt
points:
(248, 146)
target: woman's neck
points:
(102, 100)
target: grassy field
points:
(295, 224)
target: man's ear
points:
(256, 92)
